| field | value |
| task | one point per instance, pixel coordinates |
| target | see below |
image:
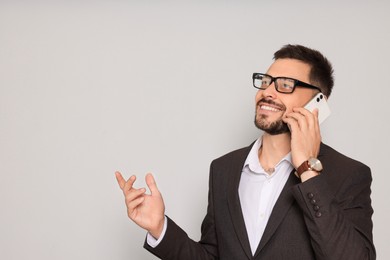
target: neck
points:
(273, 149)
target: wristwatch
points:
(312, 164)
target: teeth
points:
(269, 108)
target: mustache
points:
(271, 102)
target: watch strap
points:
(303, 168)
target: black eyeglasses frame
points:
(297, 83)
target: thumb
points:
(151, 184)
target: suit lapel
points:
(279, 211)
(234, 201)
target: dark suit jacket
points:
(327, 217)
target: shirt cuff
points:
(154, 242)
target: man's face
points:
(271, 106)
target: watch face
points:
(315, 164)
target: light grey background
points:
(90, 87)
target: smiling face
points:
(271, 106)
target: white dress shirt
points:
(258, 193)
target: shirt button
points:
(310, 195)
(313, 201)
(316, 207)
(318, 214)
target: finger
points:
(151, 184)
(302, 110)
(129, 183)
(131, 207)
(312, 116)
(292, 124)
(134, 194)
(316, 113)
(305, 118)
(299, 118)
(120, 180)
(316, 119)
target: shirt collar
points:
(252, 161)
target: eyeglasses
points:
(282, 84)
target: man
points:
(286, 196)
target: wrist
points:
(311, 167)
(156, 232)
(308, 175)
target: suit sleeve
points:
(176, 245)
(339, 221)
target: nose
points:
(270, 91)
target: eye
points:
(265, 82)
(287, 86)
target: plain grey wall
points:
(90, 87)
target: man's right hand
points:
(147, 211)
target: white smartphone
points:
(319, 101)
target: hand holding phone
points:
(319, 102)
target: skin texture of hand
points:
(147, 211)
(305, 134)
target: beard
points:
(273, 128)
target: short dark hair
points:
(321, 72)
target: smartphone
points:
(319, 102)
